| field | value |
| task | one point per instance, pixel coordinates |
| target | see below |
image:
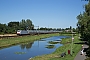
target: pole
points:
(72, 42)
(38, 30)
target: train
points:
(34, 32)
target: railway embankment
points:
(8, 35)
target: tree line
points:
(27, 24)
(12, 27)
(84, 25)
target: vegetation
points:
(12, 41)
(67, 46)
(54, 56)
(20, 53)
(84, 25)
(12, 27)
(88, 58)
(50, 46)
(53, 42)
(27, 24)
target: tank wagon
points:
(33, 32)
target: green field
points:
(67, 46)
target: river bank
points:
(25, 50)
(22, 39)
(66, 46)
(55, 55)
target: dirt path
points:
(79, 56)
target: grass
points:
(49, 46)
(67, 46)
(20, 53)
(13, 41)
(53, 42)
(53, 56)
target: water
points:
(31, 49)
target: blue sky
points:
(43, 13)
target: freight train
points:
(33, 32)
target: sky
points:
(42, 13)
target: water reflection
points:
(26, 45)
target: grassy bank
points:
(13, 41)
(67, 46)
(55, 55)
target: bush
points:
(88, 52)
(88, 58)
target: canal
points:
(24, 51)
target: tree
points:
(59, 29)
(3, 28)
(22, 25)
(29, 24)
(26, 24)
(84, 24)
(13, 27)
